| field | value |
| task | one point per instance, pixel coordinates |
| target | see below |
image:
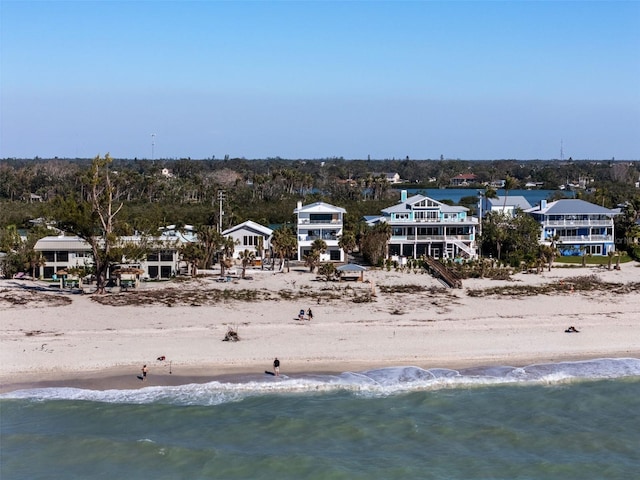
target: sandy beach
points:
(66, 338)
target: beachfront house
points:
(250, 236)
(423, 226)
(575, 226)
(162, 261)
(320, 221)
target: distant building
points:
(393, 177)
(463, 180)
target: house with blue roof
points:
(423, 226)
(575, 226)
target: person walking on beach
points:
(144, 372)
(276, 367)
(309, 314)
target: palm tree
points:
(228, 247)
(312, 259)
(509, 184)
(347, 243)
(284, 243)
(246, 257)
(489, 193)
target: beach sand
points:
(62, 338)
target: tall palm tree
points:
(489, 193)
(509, 184)
(228, 247)
(246, 257)
(347, 243)
(284, 243)
(312, 259)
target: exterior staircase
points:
(442, 272)
(465, 248)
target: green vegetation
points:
(144, 195)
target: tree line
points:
(107, 197)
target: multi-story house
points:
(163, 260)
(320, 221)
(576, 227)
(423, 226)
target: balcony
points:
(585, 238)
(578, 223)
(431, 238)
(306, 221)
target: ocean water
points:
(578, 420)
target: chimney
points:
(403, 195)
(299, 204)
(543, 204)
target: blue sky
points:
(318, 79)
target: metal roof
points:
(319, 207)
(61, 244)
(570, 206)
(512, 201)
(249, 225)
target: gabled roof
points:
(407, 205)
(319, 207)
(251, 226)
(570, 206)
(512, 201)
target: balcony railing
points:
(578, 223)
(431, 238)
(431, 220)
(306, 221)
(585, 238)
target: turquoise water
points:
(558, 421)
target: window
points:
(63, 256)
(334, 255)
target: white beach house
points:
(320, 220)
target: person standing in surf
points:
(276, 367)
(144, 372)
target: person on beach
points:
(144, 372)
(309, 315)
(276, 367)
(301, 315)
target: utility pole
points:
(220, 199)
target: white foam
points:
(378, 382)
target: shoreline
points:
(114, 378)
(59, 338)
